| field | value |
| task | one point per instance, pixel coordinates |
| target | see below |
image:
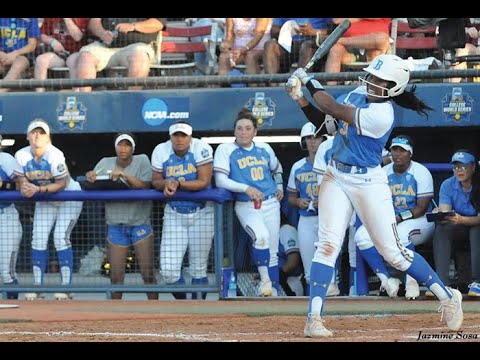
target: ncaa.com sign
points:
(156, 111)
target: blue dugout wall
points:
(209, 110)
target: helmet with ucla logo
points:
(391, 68)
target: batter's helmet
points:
(391, 68)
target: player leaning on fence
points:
(11, 228)
(129, 222)
(184, 163)
(41, 168)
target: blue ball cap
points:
(462, 157)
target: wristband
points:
(278, 178)
(313, 86)
(406, 215)
(53, 41)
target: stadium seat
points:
(175, 49)
(406, 39)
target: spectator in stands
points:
(290, 265)
(219, 35)
(253, 173)
(460, 193)
(411, 184)
(41, 168)
(18, 40)
(365, 39)
(61, 40)
(128, 222)
(184, 163)
(311, 32)
(302, 192)
(11, 233)
(244, 42)
(472, 46)
(127, 42)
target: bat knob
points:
(290, 84)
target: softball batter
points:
(355, 180)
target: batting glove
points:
(294, 88)
(301, 74)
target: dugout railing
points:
(190, 81)
(90, 232)
(91, 226)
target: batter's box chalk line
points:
(8, 306)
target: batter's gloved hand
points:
(294, 88)
(301, 74)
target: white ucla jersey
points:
(51, 167)
(253, 167)
(303, 180)
(415, 183)
(7, 167)
(321, 160)
(361, 142)
(165, 161)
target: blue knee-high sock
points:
(375, 261)
(261, 257)
(274, 275)
(203, 280)
(39, 260)
(179, 295)
(320, 277)
(65, 262)
(421, 271)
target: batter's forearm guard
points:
(314, 115)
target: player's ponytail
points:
(409, 100)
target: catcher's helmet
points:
(391, 68)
